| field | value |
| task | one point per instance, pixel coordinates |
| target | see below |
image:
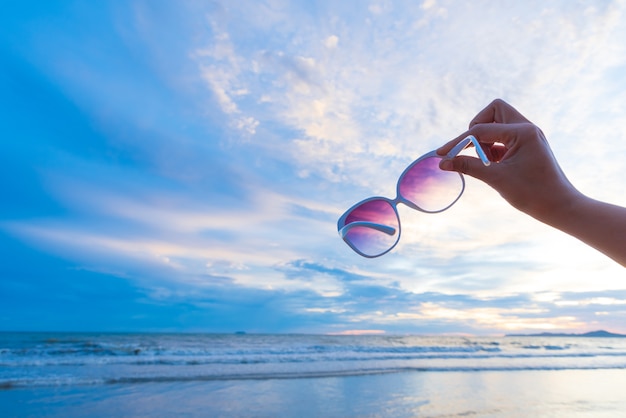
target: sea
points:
(93, 374)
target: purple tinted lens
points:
(430, 188)
(380, 228)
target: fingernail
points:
(446, 165)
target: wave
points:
(269, 359)
(43, 360)
(7, 384)
(100, 350)
(92, 350)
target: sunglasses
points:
(372, 226)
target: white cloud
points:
(338, 102)
(222, 74)
(149, 230)
(331, 42)
(429, 4)
(506, 319)
(416, 86)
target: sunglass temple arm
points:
(464, 143)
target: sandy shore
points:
(563, 393)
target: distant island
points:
(592, 334)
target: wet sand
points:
(541, 393)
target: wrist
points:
(563, 210)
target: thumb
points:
(466, 165)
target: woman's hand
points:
(528, 176)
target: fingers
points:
(490, 133)
(508, 134)
(498, 111)
(467, 165)
(495, 152)
(446, 148)
(490, 125)
(487, 134)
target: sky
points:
(181, 166)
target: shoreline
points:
(578, 393)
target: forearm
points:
(598, 224)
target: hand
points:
(526, 173)
(528, 176)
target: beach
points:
(310, 376)
(544, 393)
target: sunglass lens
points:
(428, 187)
(372, 228)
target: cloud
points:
(332, 41)
(359, 332)
(506, 319)
(222, 74)
(145, 231)
(210, 164)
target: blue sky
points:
(180, 166)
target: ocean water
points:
(71, 374)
